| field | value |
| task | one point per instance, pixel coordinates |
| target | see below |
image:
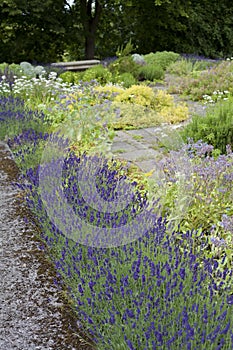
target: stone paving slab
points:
(145, 146)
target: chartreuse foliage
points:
(99, 73)
(140, 106)
(124, 65)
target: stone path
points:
(144, 147)
(33, 313)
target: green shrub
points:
(99, 73)
(126, 50)
(181, 67)
(163, 59)
(126, 79)
(124, 65)
(13, 69)
(216, 127)
(3, 67)
(71, 77)
(67, 77)
(16, 69)
(151, 72)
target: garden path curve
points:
(144, 147)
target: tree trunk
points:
(89, 47)
(90, 15)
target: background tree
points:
(209, 29)
(32, 30)
(43, 31)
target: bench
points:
(76, 65)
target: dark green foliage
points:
(209, 29)
(36, 31)
(216, 127)
(32, 31)
(151, 72)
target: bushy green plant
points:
(11, 71)
(126, 80)
(216, 127)
(68, 77)
(151, 72)
(71, 77)
(3, 67)
(180, 67)
(16, 69)
(98, 73)
(163, 59)
(124, 65)
(195, 190)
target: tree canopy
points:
(43, 31)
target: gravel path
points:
(34, 316)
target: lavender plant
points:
(16, 118)
(149, 293)
(143, 295)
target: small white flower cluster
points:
(229, 59)
(216, 96)
(24, 86)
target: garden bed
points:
(147, 263)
